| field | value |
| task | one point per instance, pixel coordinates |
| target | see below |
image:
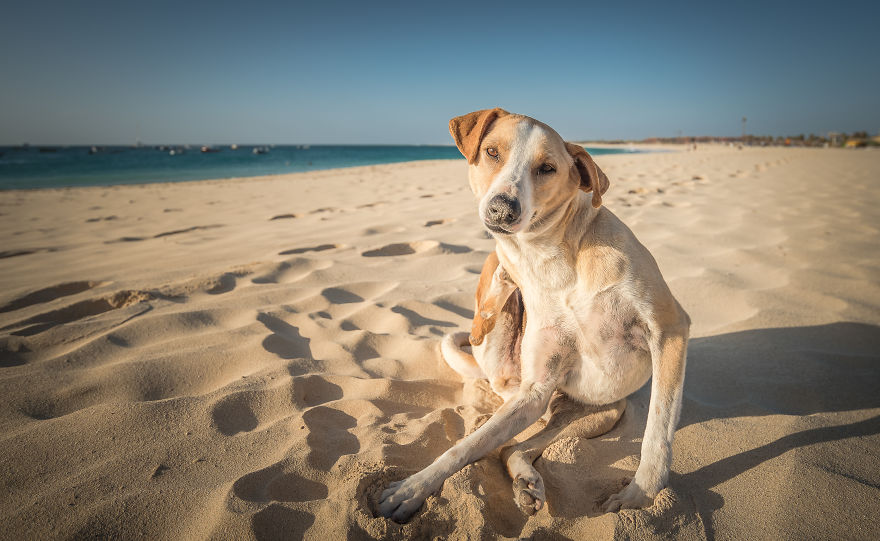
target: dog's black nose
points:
(503, 210)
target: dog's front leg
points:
(668, 354)
(403, 498)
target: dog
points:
(572, 314)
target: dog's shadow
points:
(796, 371)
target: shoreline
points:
(80, 170)
(270, 176)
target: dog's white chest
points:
(610, 358)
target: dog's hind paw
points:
(631, 497)
(529, 494)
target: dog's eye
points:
(492, 152)
(547, 168)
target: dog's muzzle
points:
(502, 212)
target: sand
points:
(257, 358)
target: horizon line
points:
(142, 144)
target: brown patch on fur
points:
(592, 178)
(672, 362)
(493, 297)
(481, 326)
(600, 266)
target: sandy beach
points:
(257, 358)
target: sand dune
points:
(258, 358)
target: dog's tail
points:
(452, 349)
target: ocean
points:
(28, 167)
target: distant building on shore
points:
(835, 138)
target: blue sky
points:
(395, 72)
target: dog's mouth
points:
(497, 229)
(530, 223)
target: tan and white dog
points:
(600, 318)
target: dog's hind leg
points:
(568, 418)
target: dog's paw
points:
(631, 497)
(403, 498)
(529, 494)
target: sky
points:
(326, 72)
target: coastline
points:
(41, 167)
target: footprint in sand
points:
(284, 217)
(186, 230)
(350, 298)
(291, 271)
(402, 248)
(80, 310)
(371, 205)
(432, 223)
(338, 295)
(314, 390)
(224, 283)
(319, 248)
(245, 411)
(15, 253)
(273, 483)
(329, 438)
(47, 294)
(418, 320)
(382, 229)
(285, 340)
(234, 414)
(165, 233)
(416, 247)
(279, 522)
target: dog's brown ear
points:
(468, 130)
(592, 178)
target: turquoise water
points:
(53, 167)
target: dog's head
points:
(521, 170)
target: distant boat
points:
(233, 146)
(207, 150)
(48, 149)
(260, 150)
